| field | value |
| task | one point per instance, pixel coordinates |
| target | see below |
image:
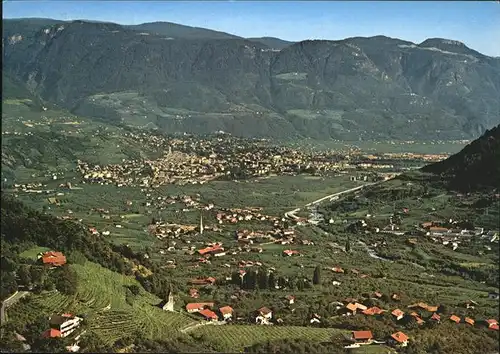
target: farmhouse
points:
(398, 314)
(194, 293)
(399, 339)
(62, 325)
(198, 306)
(362, 337)
(436, 317)
(455, 319)
(372, 311)
(264, 315)
(203, 281)
(209, 250)
(492, 323)
(53, 258)
(226, 312)
(350, 309)
(469, 320)
(337, 270)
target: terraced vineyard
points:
(234, 337)
(101, 297)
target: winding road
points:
(18, 295)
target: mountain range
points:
(184, 79)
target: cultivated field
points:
(101, 299)
(235, 337)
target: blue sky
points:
(476, 23)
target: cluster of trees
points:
(269, 280)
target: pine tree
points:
(263, 279)
(235, 278)
(317, 276)
(250, 280)
(271, 281)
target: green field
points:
(229, 338)
(33, 252)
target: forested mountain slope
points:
(357, 88)
(476, 166)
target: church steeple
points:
(169, 305)
(201, 223)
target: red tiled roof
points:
(208, 314)
(226, 310)
(435, 317)
(492, 322)
(455, 318)
(494, 327)
(352, 307)
(397, 312)
(421, 305)
(198, 305)
(264, 310)
(399, 337)
(53, 257)
(419, 320)
(373, 311)
(51, 333)
(362, 334)
(469, 321)
(210, 249)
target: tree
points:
(317, 276)
(281, 282)
(66, 280)
(49, 345)
(272, 281)
(24, 275)
(442, 309)
(235, 278)
(348, 246)
(93, 343)
(9, 284)
(250, 280)
(134, 289)
(263, 280)
(300, 284)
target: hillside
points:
(476, 166)
(272, 42)
(176, 31)
(357, 88)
